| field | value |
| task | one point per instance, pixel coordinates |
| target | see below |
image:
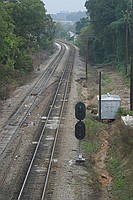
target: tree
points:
(60, 31)
(24, 27)
(31, 21)
(108, 23)
(8, 42)
(46, 39)
(80, 24)
(33, 28)
(8, 45)
(29, 17)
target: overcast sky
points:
(55, 6)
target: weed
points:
(123, 112)
(119, 162)
(106, 80)
(79, 92)
(121, 186)
(93, 126)
(91, 147)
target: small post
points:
(80, 158)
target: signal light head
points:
(80, 130)
(80, 111)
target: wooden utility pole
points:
(131, 73)
(86, 59)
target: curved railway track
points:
(39, 168)
(33, 183)
(11, 127)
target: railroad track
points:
(48, 136)
(9, 131)
(36, 179)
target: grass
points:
(119, 162)
(106, 79)
(93, 126)
(91, 147)
(91, 143)
(124, 112)
(107, 84)
(119, 159)
(79, 92)
(121, 187)
(121, 71)
(94, 92)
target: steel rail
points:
(56, 136)
(25, 117)
(12, 129)
(43, 130)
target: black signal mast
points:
(131, 75)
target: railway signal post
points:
(80, 113)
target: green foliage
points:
(119, 160)
(93, 126)
(24, 27)
(123, 112)
(80, 24)
(91, 147)
(93, 129)
(31, 21)
(23, 62)
(121, 184)
(60, 31)
(107, 41)
(83, 39)
(106, 80)
(6, 74)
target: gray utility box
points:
(109, 105)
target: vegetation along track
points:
(40, 168)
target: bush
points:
(123, 112)
(23, 62)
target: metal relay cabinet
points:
(109, 105)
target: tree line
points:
(107, 32)
(25, 28)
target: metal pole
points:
(131, 73)
(100, 91)
(80, 158)
(126, 49)
(80, 150)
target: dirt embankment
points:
(102, 159)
